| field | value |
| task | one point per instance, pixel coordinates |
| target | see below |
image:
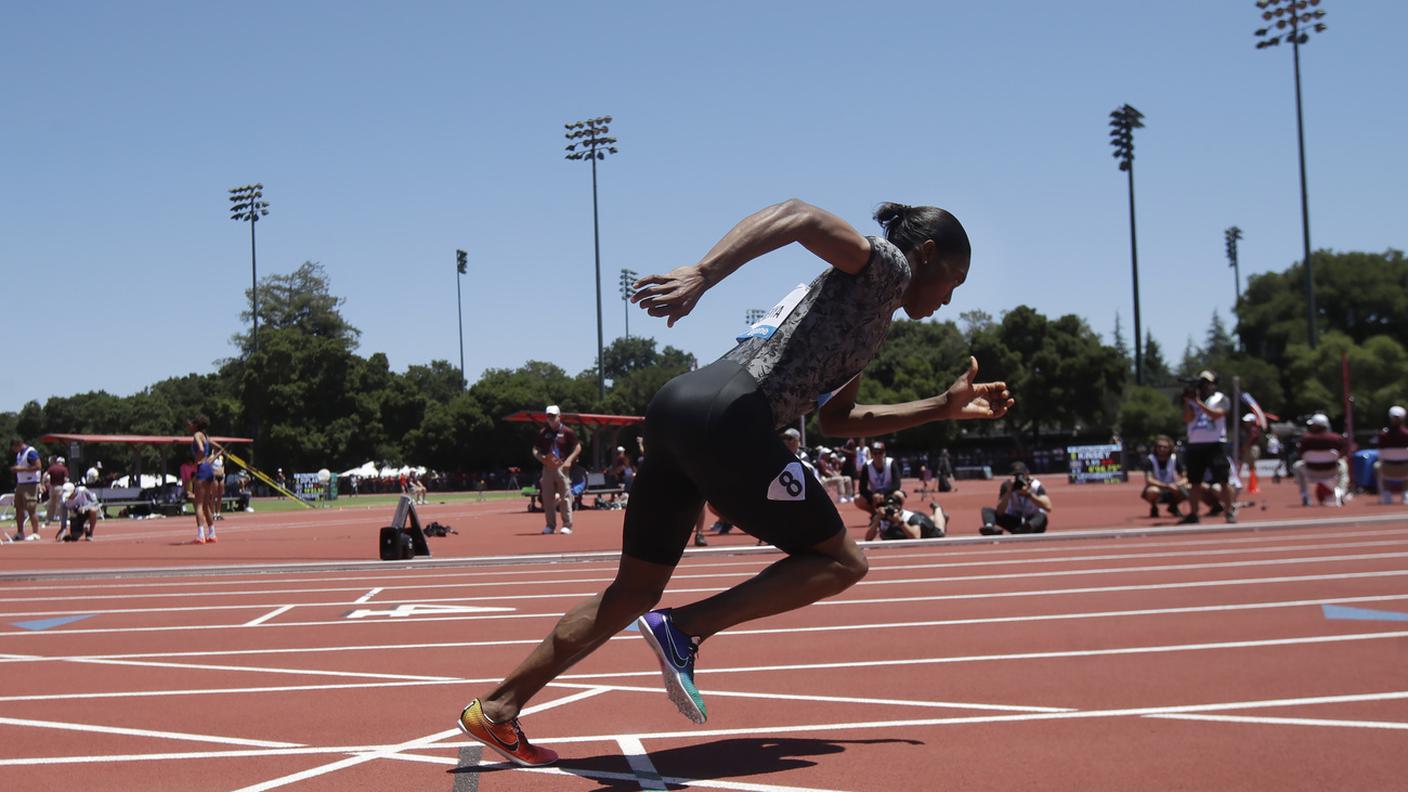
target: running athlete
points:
(712, 435)
(203, 451)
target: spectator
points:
(926, 478)
(94, 474)
(879, 479)
(945, 472)
(1391, 470)
(353, 482)
(55, 477)
(419, 493)
(792, 439)
(1204, 413)
(217, 491)
(828, 469)
(1022, 505)
(1321, 462)
(27, 472)
(82, 508)
(893, 521)
(557, 449)
(1165, 479)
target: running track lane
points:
(1200, 662)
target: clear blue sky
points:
(389, 134)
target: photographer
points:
(879, 479)
(1022, 505)
(1205, 412)
(893, 521)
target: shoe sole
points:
(674, 687)
(493, 745)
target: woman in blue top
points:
(203, 451)
(712, 435)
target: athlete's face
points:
(934, 280)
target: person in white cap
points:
(1391, 470)
(1321, 462)
(1205, 414)
(82, 508)
(91, 477)
(557, 448)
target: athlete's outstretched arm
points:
(674, 294)
(964, 400)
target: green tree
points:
(1147, 412)
(1219, 344)
(303, 301)
(1156, 371)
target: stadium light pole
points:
(1123, 121)
(628, 289)
(1290, 22)
(461, 267)
(590, 140)
(1232, 235)
(247, 205)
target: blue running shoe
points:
(676, 652)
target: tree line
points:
(311, 401)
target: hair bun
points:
(889, 213)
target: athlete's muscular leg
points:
(578, 633)
(823, 570)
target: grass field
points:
(262, 505)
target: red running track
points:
(1175, 662)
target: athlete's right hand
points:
(672, 295)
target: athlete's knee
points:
(637, 596)
(853, 564)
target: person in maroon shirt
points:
(557, 448)
(1321, 462)
(57, 476)
(1391, 471)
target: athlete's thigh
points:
(770, 494)
(662, 511)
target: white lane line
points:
(832, 699)
(419, 742)
(266, 617)
(88, 727)
(763, 731)
(207, 583)
(264, 670)
(1351, 724)
(640, 764)
(366, 596)
(1137, 650)
(875, 568)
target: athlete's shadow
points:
(712, 760)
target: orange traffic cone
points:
(1252, 488)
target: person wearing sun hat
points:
(1391, 470)
(1322, 461)
(557, 448)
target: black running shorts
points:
(709, 435)
(1199, 458)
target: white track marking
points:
(1136, 650)
(1352, 724)
(419, 742)
(640, 763)
(208, 582)
(266, 670)
(88, 727)
(760, 731)
(266, 617)
(758, 631)
(875, 567)
(367, 596)
(832, 699)
(834, 601)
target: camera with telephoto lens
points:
(1020, 481)
(891, 508)
(1190, 388)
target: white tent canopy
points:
(146, 481)
(367, 470)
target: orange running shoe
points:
(506, 738)
(212, 539)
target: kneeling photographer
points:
(892, 520)
(1022, 505)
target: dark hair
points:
(201, 423)
(1019, 469)
(907, 227)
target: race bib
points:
(766, 326)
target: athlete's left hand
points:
(672, 295)
(968, 400)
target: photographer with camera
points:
(1022, 505)
(893, 521)
(1205, 412)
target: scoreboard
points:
(1095, 464)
